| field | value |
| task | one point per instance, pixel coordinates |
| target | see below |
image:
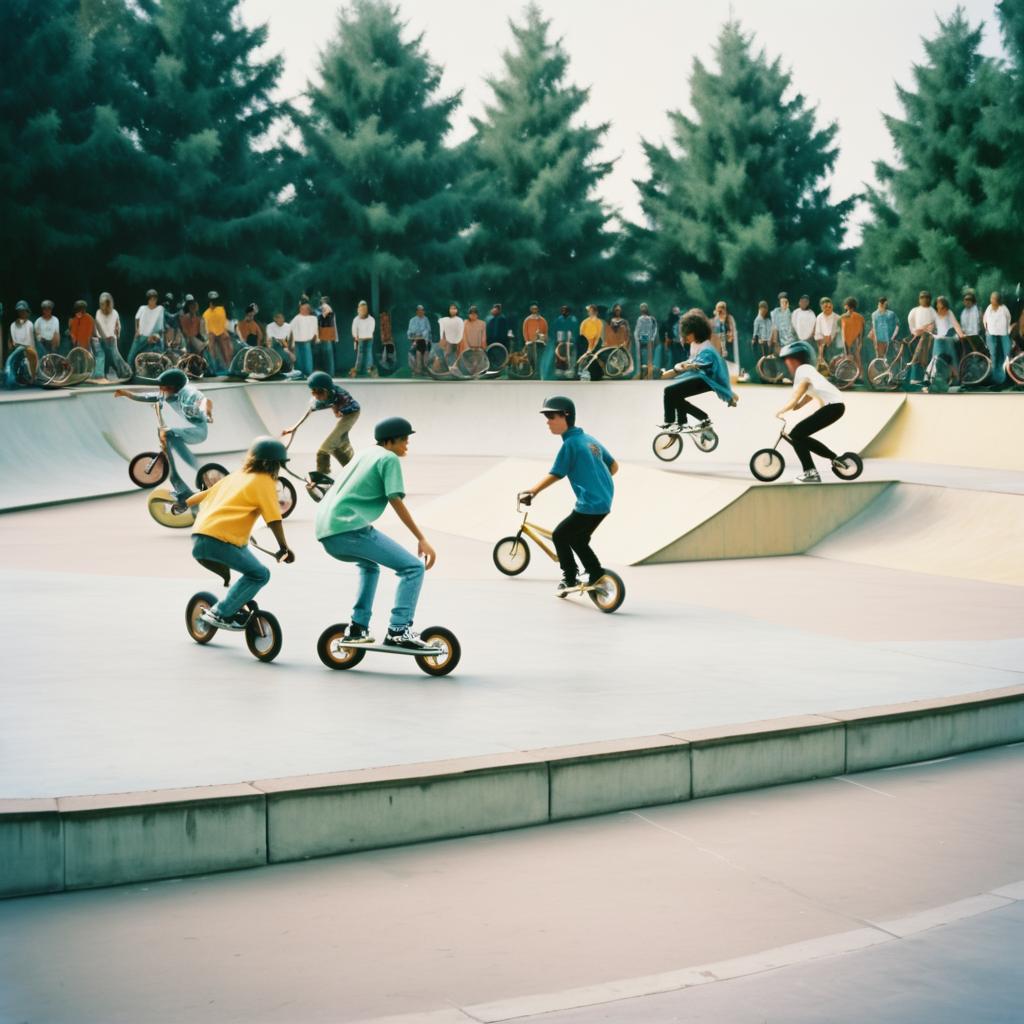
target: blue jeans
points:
(142, 344)
(253, 574)
(369, 549)
(304, 357)
(364, 355)
(340, 354)
(323, 356)
(178, 441)
(999, 350)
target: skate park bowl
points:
(771, 632)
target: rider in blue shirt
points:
(590, 468)
(705, 371)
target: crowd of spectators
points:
(602, 342)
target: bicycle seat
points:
(217, 568)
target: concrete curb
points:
(54, 844)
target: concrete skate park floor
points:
(104, 691)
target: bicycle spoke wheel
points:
(193, 364)
(770, 369)
(880, 375)
(258, 363)
(1015, 369)
(209, 474)
(287, 496)
(148, 469)
(617, 362)
(497, 357)
(330, 651)
(767, 465)
(511, 555)
(706, 440)
(848, 466)
(473, 362)
(54, 370)
(447, 643)
(975, 368)
(844, 372)
(263, 636)
(200, 631)
(667, 445)
(609, 593)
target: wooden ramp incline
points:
(658, 516)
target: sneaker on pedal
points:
(810, 477)
(594, 578)
(211, 618)
(565, 587)
(406, 639)
(356, 634)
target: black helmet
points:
(392, 428)
(320, 379)
(801, 350)
(559, 403)
(270, 449)
(174, 378)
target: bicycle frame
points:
(538, 534)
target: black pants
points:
(676, 405)
(572, 538)
(804, 443)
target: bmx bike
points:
(262, 631)
(668, 444)
(889, 372)
(615, 361)
(767, 464)
(975, 364)
(511, 556)
(843, 371)
(150, 469)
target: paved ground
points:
(105, 692)
(919, 868)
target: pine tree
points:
(932, 217)
(378, 191)
(65, 156)
(208, 211)
(738, 204)
(541, 233)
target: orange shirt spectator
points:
(535, 327)
(853, 326)
(82, 326)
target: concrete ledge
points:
(731, 758)
(80, 842)
(917, 731)
(391, 807)
(31, 847)
(134, 837)
(597, 778)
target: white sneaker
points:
(810, 477)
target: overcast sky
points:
(635, 58)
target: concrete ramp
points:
(660, 517)
(955, 430)
(973, 535)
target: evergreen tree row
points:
(147, 151)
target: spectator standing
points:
(449, 334)
(250, 335)
(82, 329)
(327, 353)
(279, 337)
(474, 332)
(499, 328)
(218, 337)
(149, 328)
(566, 330)
(782, 323)
(535, 337)
(191, 325)
(885, 325)
(803, 320)
(970, 316)
(109, 362)
(723, 329)
(826, 332)
(947, 331)
(420, 337)
(303, 329)
(921, 322)
(851, 324)
(671, 338)
(592, 332)
(172, 331)
(762, 332)
(363, 326)
(646, 334)
(996, 319)
(47, 328)
(23, 340)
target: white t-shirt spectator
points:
(997, 321)
(278, 332)
(107, 323)
(817, 386)
(47, 329)
(970, 320)
(921, 316)
(450, 329)
(363, 327)
(23, 334)
(803, 323)
(826, 326)
(150, 320)
(304, 328)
